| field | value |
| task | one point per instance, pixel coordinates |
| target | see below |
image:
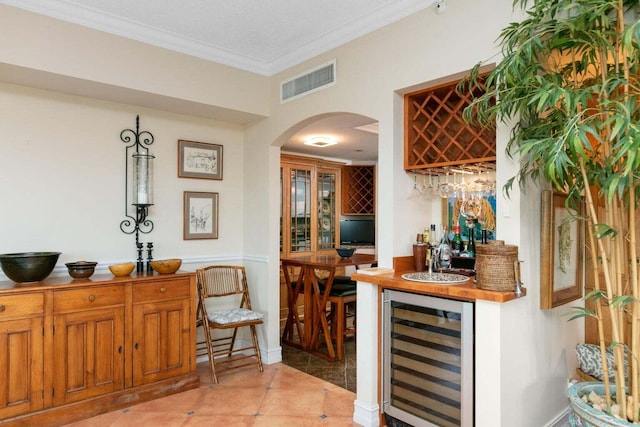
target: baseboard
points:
(560, 420)
(272, 355)
(365, 415)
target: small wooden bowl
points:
(166, 266)
(81, 269)
(120, 270)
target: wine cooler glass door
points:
(428, 360)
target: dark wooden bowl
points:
(28, 266)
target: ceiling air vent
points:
(310, 81)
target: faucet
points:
(433, 259)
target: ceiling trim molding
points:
(123, 27)
(134, 30)
(374, 21)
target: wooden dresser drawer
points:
(15, 306)
(156, 291)
(88, 298)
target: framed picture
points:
(199, 160)
(200, 215)
(561, 252)
(483, 208)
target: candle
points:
(142, 179)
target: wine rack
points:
(358, 190)
(436, 135)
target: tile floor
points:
(280, 396)
(342, 373)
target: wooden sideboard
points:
(74, 349)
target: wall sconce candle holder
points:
(141, 189)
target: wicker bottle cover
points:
(495, 266)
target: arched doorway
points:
(356, 144)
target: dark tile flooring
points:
(341, 373)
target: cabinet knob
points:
(2, 308)
(120, 349)
(135, 346)
(163, 290)
(92, 298)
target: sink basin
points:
(439, 278)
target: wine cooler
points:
(427, 360)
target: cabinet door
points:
(89, 354)
(300, 210)
(161, 340)
(327, 183)
(21, 366)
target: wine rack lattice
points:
(358, 190)
(436, 135)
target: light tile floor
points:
(280, 396)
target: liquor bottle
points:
(433, 236)
(465, 252)
(471, 249)
(444, 250)
(456, 243)
(445, 235)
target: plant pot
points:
(587, 416)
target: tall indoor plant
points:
(569, 79)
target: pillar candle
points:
(142, 179)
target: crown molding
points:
(91, 18)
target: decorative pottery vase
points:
(584, 415)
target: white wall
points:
(62, 169)
(44, 51)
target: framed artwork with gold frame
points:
(561, 252)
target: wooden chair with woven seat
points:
(226, 306)
(201, 342)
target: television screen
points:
(357, 232)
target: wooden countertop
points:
(464, 291)
(57, 282)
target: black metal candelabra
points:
(138, 143)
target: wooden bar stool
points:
(340, 297)
(295, 288)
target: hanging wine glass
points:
(426, 187)
(435, 184)
(447, 188)
(415, 190)
(462, 188)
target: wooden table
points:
(315, 322)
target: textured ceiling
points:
(264, 36)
